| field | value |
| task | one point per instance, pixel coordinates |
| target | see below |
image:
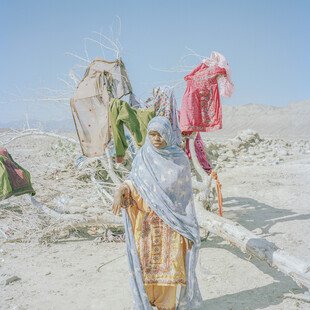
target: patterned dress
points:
(201, 108)
(161, 252)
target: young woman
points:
(162, 233)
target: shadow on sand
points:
(253, 215)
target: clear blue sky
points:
(267, 43)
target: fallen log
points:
(250, 243)
(105, 218)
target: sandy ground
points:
(270, 199)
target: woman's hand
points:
(122, 194)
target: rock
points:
(74, 210)
(92, 231)
(282, 152)
(100, 230)
(221, 152)
(11, 280)
(98, 240)
(222, 158)
(95, 210)
(247, 159)
(10, 298)
(257, 231)
(230, 154)
(248, 135)
(109, 235)
(229, 165)
(275, 161)
(251, 151)
(235, 144)
(261, 155)
(64, 234)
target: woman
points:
(162, 233)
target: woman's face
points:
(156, 139)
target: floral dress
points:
(201, 109)
(161, 252)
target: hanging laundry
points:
(136, 120)
(201, 107)
(225, 83)
(200, 152)
(165, 105)
(136, 102)
(14, 180)
(121, 114)
(102, 81)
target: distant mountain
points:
(65, 125)
(292, 121)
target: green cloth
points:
(14, 180)
(136, 120)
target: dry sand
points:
(265, 182)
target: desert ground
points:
(263, 155)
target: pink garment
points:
(224, 81)
(201, 108)
(200, 151)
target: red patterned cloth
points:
(200, 152)
(201, 108)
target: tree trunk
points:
(255, 245)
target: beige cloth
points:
(102, 81)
